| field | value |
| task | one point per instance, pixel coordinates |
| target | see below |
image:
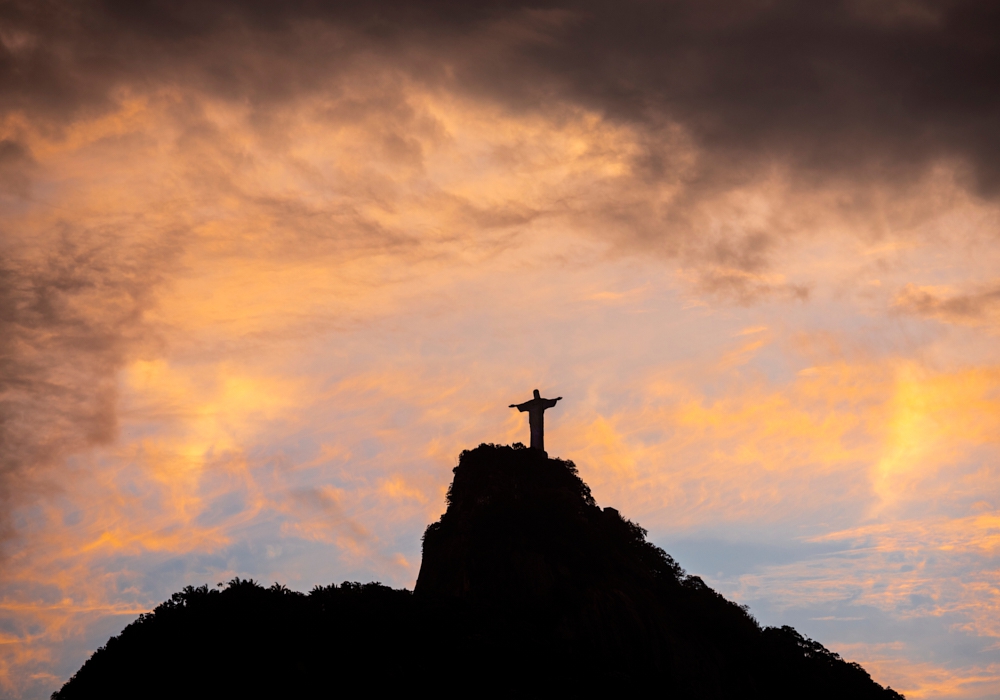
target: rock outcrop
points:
(589, 600)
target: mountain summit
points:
(526, 585)
(586, 599)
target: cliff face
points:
(524, 544)
(542, 567)
(545, 571)
(526, 585)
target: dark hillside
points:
(526, 585)
(543, 568)
(250, 641)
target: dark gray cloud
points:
(848, 94)
(877, 89)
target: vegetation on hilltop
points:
(526, 585)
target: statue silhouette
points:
(536, 417)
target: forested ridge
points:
(526, 585)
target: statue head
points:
(537, 395)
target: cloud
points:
(16, 165)
(936, 571)
(320, 517)
(979, 306)
(719, 96)
(742, 287)
(69, 316)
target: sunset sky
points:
(266, 269)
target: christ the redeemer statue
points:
(536, 418)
